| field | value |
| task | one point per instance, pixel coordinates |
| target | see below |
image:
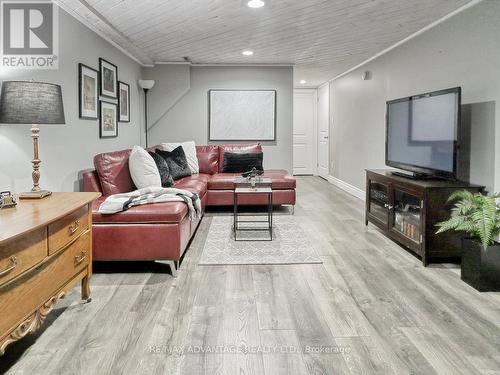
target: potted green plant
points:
(478, 215)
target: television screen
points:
(422, 132)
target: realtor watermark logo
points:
(29, 35)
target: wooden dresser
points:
(45, 249)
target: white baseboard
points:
(348, 188)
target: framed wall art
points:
(124, 101)
(108, 120)
(88, 95)
(242, 115)
(108, 74)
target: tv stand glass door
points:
(397, 209)
(406, 216)
(378, 207)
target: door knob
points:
(325, 137)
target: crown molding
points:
(222, 64)
(218, 64)
(172, 63)
(245, 64)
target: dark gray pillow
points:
(242, 162)
(161, 164)
(176, 161)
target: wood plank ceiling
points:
(322, 38)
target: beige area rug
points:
(290, 244)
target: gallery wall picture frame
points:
(88, 95)
(124, 101)
(108, 79)
(242, 115)
(108, 119)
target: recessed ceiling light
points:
(303, 81)
(247, 53)
(255, 4)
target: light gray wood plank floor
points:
(370, 308)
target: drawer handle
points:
(74, 227)
(80, 258)
(13, 260)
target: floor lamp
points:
(146, 85)
(29, 102)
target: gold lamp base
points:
(35, 194)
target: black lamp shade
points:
(28, 102)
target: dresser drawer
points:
(19, 255)
(68, 228)
(23, 296)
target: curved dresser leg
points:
(86, 289)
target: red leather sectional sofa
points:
(162, 231)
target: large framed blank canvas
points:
(242, 115)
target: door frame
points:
(330, 121)
(314, 92)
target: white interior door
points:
(323, 140)
(304, 121)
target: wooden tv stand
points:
(407, 211)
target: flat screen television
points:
(422, 133)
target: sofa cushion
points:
(222, 181)
(168, 212)
(243, 148)
(281, 180)
(161, 164)
(176, 161)
(242, 162)
(113, 171)
(194, 184)
(143, 169)
(208, 158)
(198, 176)
(189, 150)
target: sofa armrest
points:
(91, 181)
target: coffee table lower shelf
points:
(236, 214)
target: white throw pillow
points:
(143, 168)
(190, 151)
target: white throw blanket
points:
(121, 202)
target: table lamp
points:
(29, 102)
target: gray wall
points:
(67, 149)
(462, 51)
(178, 103)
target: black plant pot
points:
(480, 267)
